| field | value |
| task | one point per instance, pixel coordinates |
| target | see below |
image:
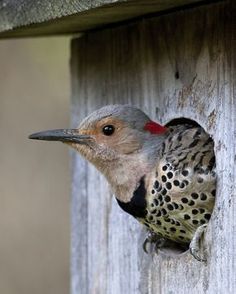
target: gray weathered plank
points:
(138, 64)
(23, 18)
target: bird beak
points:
(63, 135)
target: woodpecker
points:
(163, 176)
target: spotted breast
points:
(181, 190)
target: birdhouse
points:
(176, 61)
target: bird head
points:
(111, 134)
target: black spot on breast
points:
(160, 197)
(185, 173)
(207, 216)
(182, 185)
(194, 195)
(186, 182)
(176, 206)
(176, 182)
(164, 191)
(137, 204)
(150, 218)
(191, 203)
(170, 207)
(164, 168)
(168, 185)
(156, 202)
(163, 211)
(203, 196)
(170, 175)
(156, 185)
(158, 213)
(167, 198)
(164, 179)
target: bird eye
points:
(108, 130)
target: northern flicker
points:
(163, 176)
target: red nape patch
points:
(154, 128)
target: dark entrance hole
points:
(182, 121)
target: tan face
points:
(110, 137)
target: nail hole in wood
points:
(177, 75)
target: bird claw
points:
(196, 254)
(194, 246)
(153, 238)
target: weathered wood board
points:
(178, 65)
(24, 18)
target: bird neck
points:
(124, 174)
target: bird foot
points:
(194, 246)
(153, 239)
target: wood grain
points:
(24, 18)
(177, 65)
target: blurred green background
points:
(34, 176)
